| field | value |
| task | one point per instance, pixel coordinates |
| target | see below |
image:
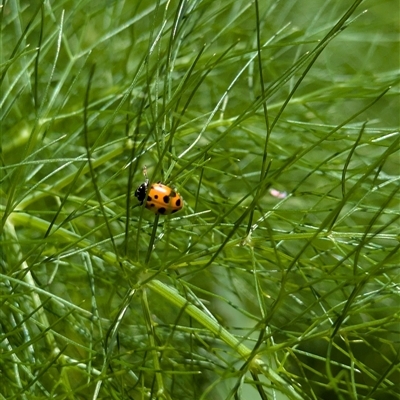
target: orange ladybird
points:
(161, 199)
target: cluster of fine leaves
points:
(278, 124)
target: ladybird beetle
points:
(161, 199)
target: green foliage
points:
(278, 123)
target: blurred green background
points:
(289, 235)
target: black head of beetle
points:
(141, 191)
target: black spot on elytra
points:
(166, 199)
